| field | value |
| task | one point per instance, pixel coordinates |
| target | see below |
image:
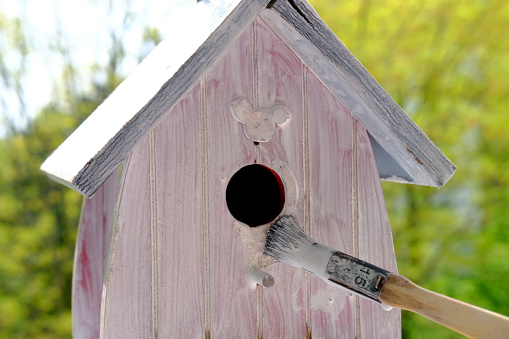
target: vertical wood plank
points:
(330, 153)
(178, 201)
(233, 303)
(127, 295)
(280, 83)
(91, 253)
(178, 265)
(375, 240)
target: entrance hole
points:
(255, 195)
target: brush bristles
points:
(286, 241)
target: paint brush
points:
(286, 242)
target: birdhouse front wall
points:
(177, 264)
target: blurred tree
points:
(445, 62)
(38, 223)
(13, 55)
(39, 218)
(38, 226)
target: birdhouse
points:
(258, 82)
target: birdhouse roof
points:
(403, 152)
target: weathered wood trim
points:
(94, 150)
(301, 28)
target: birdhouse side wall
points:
(91, 257)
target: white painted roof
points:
(86, 159)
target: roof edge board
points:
(388, 168)
(308, 36)
(87, 173)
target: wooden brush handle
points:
(469, 320)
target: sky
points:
(83, 26)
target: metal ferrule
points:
(356, 275)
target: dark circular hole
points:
(255, 195)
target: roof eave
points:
(319, 48)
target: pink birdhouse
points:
(158, 252)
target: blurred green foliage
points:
(445, 62)
(38, 217)
(38, 222)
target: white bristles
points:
(287, 242)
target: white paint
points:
(314, 258)
(256, 276)
(79, 148)
(290, 245)
(386, 307)
(110, 117)
(331, 304)
(291, 186)
(397, 179)
(296, 306)
(254, 241)
(254, 238)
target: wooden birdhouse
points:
(261, 82)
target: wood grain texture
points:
(374, 239)
(280, 83)
(303, 30)
(330, 165)
(233, 304)
(179, 259)
(200, 288)
(156, 268)
(91, 253)
(142, 100)
(127, 294)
